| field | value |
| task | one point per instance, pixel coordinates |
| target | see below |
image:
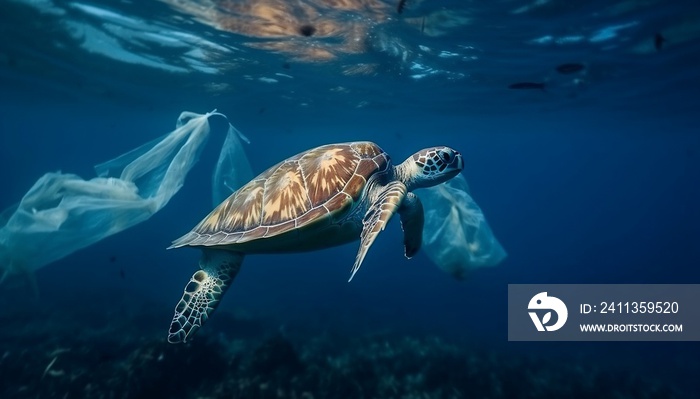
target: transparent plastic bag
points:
(62, 213)
(456, 236)
(233, 169)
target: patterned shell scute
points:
(300, 190)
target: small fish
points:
(570, 68)
(659, 41)
(527, 86)
(286, 65)
(122, 273)
(112, 259)
(400, 6)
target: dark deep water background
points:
(593, 181)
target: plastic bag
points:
(62, 213)
(233, 169)
(456, 236)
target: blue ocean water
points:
(589, 177)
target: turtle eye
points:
(446, 155)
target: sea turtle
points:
(320, 198)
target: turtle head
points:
(430, 167)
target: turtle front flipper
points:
(203, 292)
(412, 220)
(376, 218)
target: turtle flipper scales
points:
(203, 293)
(412, 220)
(376, 218)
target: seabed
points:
(92, 349)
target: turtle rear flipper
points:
(203, 292)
